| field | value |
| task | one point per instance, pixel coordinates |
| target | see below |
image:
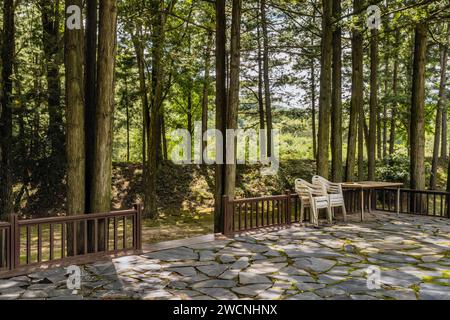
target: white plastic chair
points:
(314, 197)
(335, 194)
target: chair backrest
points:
(305, 189)
(302, 188)
(329, 186)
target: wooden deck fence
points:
(281, 210)
(420, 202)
(62, 240)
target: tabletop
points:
(370, 185)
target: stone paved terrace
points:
(297, 263)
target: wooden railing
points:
(255, 213)
(33, 242)
(271, 211)
(262, 212)
(5, 247)
(421, 202)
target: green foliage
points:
(394, 168)
(294, 29)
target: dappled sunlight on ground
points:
(299, 263)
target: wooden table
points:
(370, 186)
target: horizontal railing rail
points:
(33, 242)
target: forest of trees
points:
(82, 89)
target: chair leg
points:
(344, 212)
(302, 213)
(314, 215)
(330, 215)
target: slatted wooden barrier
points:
(33, 242)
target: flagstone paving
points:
(299, 263)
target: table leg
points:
(398, 201)
(370, 201)
(362, 205)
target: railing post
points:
(138, 226)
(447, 200)
(14, 242)
(288, 207)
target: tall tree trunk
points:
(394, 93)
(90, 94)
(157, 7)
(206, 81)
(444, 140)
(233, 95)
(386, 95)
(190, 88)
(444, 144)
(313, 108)
(190, 126)
(357, 93)
(139, 51)
(127, 114)
(163, 134)
(361, 128)
(262, 123)
(374, 114)
(75, 118)
(267, 94)
(221, 110)
(23, 148)
(325, 90)
(442, 101)
(101, 182)
(8, 49)
(313, 97)
(51, 45)
(408, 88)
(75, 136)
(336, 101)
(417, 123)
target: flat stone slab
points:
(402, 294)
(362, 297)
(251, 247)
(213, 270)
(7, 284)
(216, 283)
(218, 293)
(393, 258)
(251, 290)
(240, 264)
(314, 264)
(305, 286)
(266, 267)
(270, 294)
(399, 279)
(184, 271)
(206, 255)
(34, 294)
(252, 278)
(434, 292)
(305, 296)
(227, 258)
(176, 254)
